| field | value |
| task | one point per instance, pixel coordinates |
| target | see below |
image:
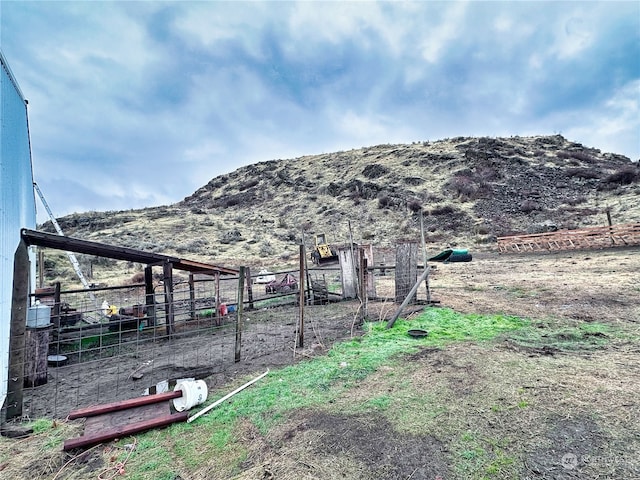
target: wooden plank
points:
(123, 404)
(120, 431)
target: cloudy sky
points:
(136, 104)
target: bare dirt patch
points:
(600, 285)
(316, 444)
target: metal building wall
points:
(17, 201)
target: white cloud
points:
(438, 37)
(574, 33)
(503, 23)
(613, 126)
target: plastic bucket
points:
(194, 392)
(38, 316)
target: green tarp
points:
(445, 255)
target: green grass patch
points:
(42, 425)
(321, 381)
(585, 336)
(478, 457)
(445, 326)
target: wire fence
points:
(127, 343)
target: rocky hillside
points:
(469, 191)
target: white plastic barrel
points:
(194, 392)
(38, 316)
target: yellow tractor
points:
(323, 253)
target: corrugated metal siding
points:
(17, 201)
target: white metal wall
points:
(17, 201)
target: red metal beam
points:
(124, 431)
(123, 404)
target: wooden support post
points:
(239, 314)
(347, 273)
(216, 314)
(55, 310)
(192, 297)
(363, 283)
(355, 262)
(167, 268)
(424, 257)
(40, 267)
(149, 296)
(301, 292)
(249, 288)
(19, 304)
(610, 225)
(370, 277)
(310, 296)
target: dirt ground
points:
(538, 410)
(600, 285)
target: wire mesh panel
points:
(98, 356)
(386, 287)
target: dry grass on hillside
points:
(469, 190)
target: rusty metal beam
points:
(123, 404)
(121, 431)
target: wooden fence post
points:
(192, 297)
(216, 314)
(239, 314)
(249, 288)
(55, 310)
(302, 295)
(19, 303)
(348, 273)
(167, 268)
(149, 301)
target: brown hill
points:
(470, 190)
